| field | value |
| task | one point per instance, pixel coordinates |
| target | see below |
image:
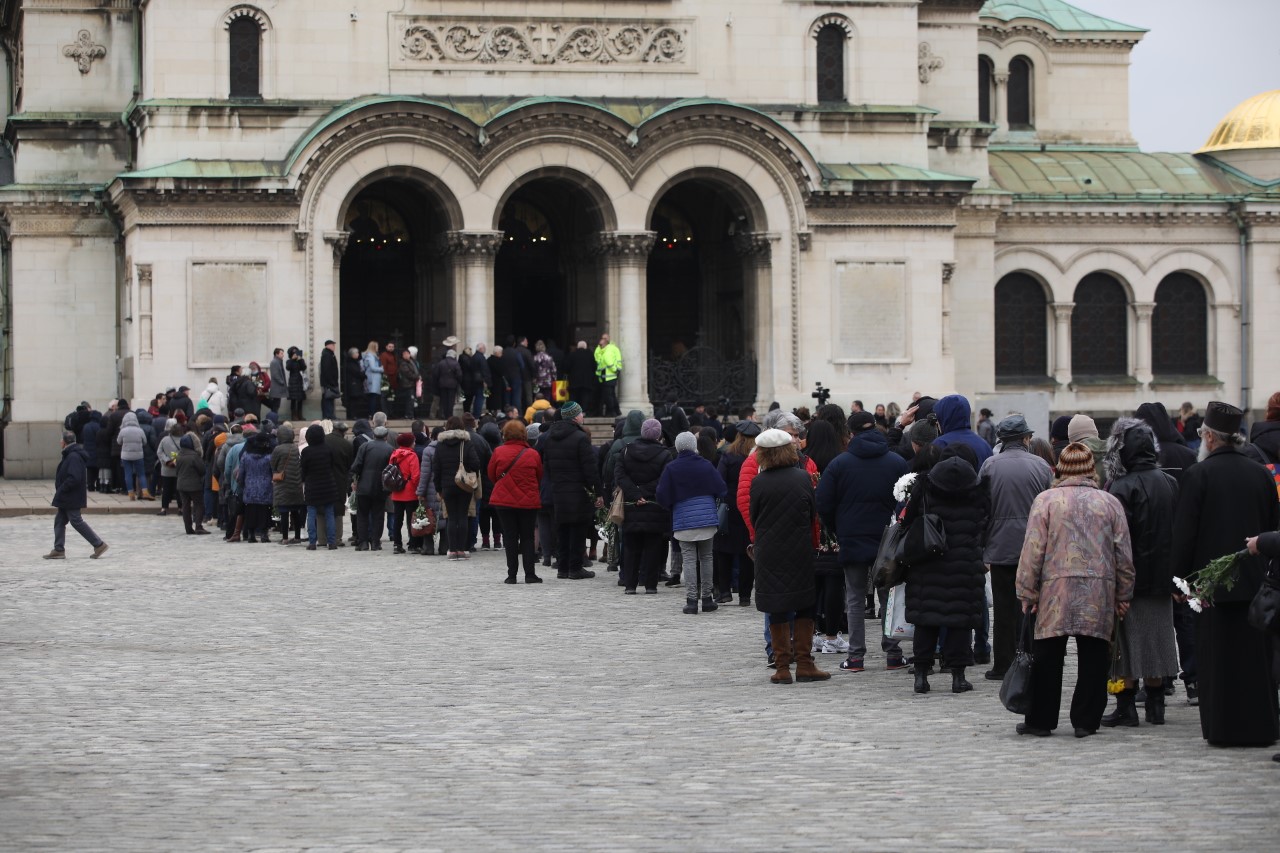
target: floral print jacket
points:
(1076, 561)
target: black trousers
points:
(572, 540)
(517, 527)
(294, 516)
(1093, 657)
(458, 528)
(746, 576)
(547, 536)
(722, 572)
(370, 521)
(192, 510)
(168, 491)
(830, 607)
(1007, 616)
(403, 518)
(609, 398)
(957, 647)
(257, 519)
(643, 555)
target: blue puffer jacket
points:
(690, 487)
(954, 417)
(255, 471)
(855, 494)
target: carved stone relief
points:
(84, 51)
(929, 63)
(454, 41)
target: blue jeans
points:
(134, 472)
(855, 609)
(328, 524)
(768, 641)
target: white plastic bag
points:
(896, 626)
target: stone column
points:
(474, 252)
(948, 270)
(756, 250)
(626, 255)
(1062, 341)
(1142, 343)
(998, 100)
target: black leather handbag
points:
(1264, 610)
(925, 539)
(1015, 690)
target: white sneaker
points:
(838, 646)
(817, 644)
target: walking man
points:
(608, 366)
(70, 495)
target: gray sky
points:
(1197, 62)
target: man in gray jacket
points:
(1015, 476)
(279, 381)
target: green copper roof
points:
(212, 169)
(1112, 175)
(1063, 17)
(859, 172)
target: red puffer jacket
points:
(518, 487)
(407, 459)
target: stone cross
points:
(84, 51)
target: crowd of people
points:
(1088, 535)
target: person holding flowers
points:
(1075, 573)
(1223, 500)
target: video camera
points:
(822, 395)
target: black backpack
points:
(392, 478)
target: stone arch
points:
(815, 47)
(222, 50)
(1023, 328)
(583, 167)
(1041, 264)
(1121, 265)
(1209, 269)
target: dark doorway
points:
(546, 282)
(697, 295)
(393, 286)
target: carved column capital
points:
(144, 273)
(1062, 311)
(755, 245)
(632, 246)
(473, 245)
(300, 239)
(337, 240)
(1000, 77)
(948, 270)
(1144, 310)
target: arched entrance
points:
(547, 283)
(700, 295)
(394, 283)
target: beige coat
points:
(1076, 560)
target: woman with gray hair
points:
(691, 489)
(1145, 634)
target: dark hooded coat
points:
(950, 591)
(570, 466)
(1149, 497)
(638, 471)
(954, 417)
(317, 469)
(1172, 452)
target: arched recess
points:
(1100, 325)
(830, 53)
(1180, 327)
(1022, 323)
(1020, 94)
(986, 88)
(234, 19)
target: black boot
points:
(922, 679)
(1126, 712)
(1155, 706)
(958, 684)
(691, 606)
(709, 604)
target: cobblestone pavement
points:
(185, 694)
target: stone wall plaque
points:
(227, 313)
(870, 313)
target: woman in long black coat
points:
(453, 447)
(296, 366)
(733, 539)
(950, 591)
(646, 525)
(783, 513)
(353, 384)
(318, 487)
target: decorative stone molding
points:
(948, 270)
(257, 14)
(839, 20)
(84, 51)
(1000, 35)
(435, 41)
(300, 240)
(756, 245)
(469, 244)
(804, 240)
(624, 245)
(928, 62)
(145, 318)
(337, 241)
(55, 219)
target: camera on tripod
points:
(822, 395)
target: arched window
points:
(1180, 328)
(831, 39)
(985, 74)
(1100, 328)
(1020, 94)
(245, 38)
(1022, 330)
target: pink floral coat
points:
(1076, 560)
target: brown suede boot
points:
(146, 495)
(235, 536)
(805, 668)
(780, 638)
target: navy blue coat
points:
(70, 486)
(685, 478)
(855, 494)
(954, 417)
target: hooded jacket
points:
(570, 465)
(954, 416)
(638, 471)
(950, 591)
(317, 469)
(1265, 435)
(215, 399)
(343, 454)
(855, 494)
(254, 471)
(70, 482)
(1171, 451)
(451, 446)
(630, 432)
(406, 459)
(131, 438)
(285, 459)
(191, 466)
(1149, 497)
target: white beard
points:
(1203, 453)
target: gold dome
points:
(1255, 123)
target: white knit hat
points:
(773, 438)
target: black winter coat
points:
(451, 446)
(352, 382)
(1174, 455)
(446, 375)
(317, 469)
(950, 591)
(367, 466)
(1265, 435)
(70, 482)
(344, 453)
(1222, 501)
(328, 369)
(782, 512)
(1149, 497)
(243, 394)
(570, 465)
(734, 539)
(191, 470)
(855, 495)
(581, 368)
(638, 471)
(295, 366)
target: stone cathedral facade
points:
(750, 196)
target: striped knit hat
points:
(570, 410)
(1076, 461)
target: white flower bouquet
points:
(902, 488)
(1199, 587)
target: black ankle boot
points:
(958, 684)
(691, 606)
(1155, 706)
(1126, 712)
(709, 604)
(922, 679)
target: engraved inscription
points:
(228, 305)
(870, 311)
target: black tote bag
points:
(1015, 690)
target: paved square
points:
(185, 694)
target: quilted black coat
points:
(950, 591)
(637, 471)
(570, 465)
(782, 512)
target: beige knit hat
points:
(1081, 427)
